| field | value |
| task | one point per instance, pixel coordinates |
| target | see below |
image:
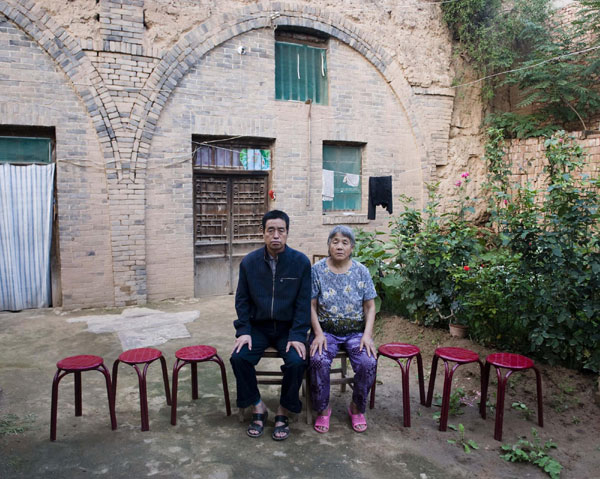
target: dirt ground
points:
(571, 414)
(207, 444)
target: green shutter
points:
(15, 149)
(342, 160)
(300, 73)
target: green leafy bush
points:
(495, 295)
(370, 251)
(554, 235)
(529, 282)
(428, 248)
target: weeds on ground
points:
(576, 420)
(533, 452)
(467, 444)
(456, 402)
(522, 407)
(12, 424)
(565, 399)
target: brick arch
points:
(79, 70)
(182, 57)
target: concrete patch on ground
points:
(141, 327)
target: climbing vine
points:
(554, 64)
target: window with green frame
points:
(17, 149)
(300, 72)
(345, 163)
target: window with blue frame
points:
(300, 72)
(342, 180)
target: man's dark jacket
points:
(285, 296)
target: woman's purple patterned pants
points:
(365, 369)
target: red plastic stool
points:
(75, 365)
(456, 355)
(398, 352)
(512, 362)
(145, 356)
(193, 355)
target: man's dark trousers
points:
(265, 334)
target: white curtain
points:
(25, 235)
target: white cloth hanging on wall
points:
(328, 188)
(26, 194)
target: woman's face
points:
(340, 247)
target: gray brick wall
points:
(34, 92)
(232, 94)
(130, 214)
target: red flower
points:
(466, 268)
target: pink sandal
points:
(323, 422)
(357, 420)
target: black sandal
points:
(255, 427)
(279, 429)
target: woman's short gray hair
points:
(344, 231)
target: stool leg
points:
(54, 404)
(434, 363)
(194, 380)
(115, 370)
(485, 379)
(111, 404)
(163, 365)
(307, 397)
(216, 358)
(500, 402)
(143, 395)
(344, 373)
(372, 402)
(176, 368)
(78, 406)
(449, 373)
(421, 382)
(538, 380)
(405, 391)
(109, 392)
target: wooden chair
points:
(271, 376)
(318, 257)
(274, 376)
(342, 381)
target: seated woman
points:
(342, 315)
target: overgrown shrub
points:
(555, 234)
(529, 282)
(428, 248)
(494, 296)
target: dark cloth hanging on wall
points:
(380, 194)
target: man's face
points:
(275, 235)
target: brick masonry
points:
(528, 160)
(124, 113)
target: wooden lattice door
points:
(228, 209)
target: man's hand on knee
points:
(298, 346)
(240, 341)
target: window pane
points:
(343, 161)
(300, 73)
(15, 149)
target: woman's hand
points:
(318, 344)
(367, 342)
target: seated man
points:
(272, 302)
